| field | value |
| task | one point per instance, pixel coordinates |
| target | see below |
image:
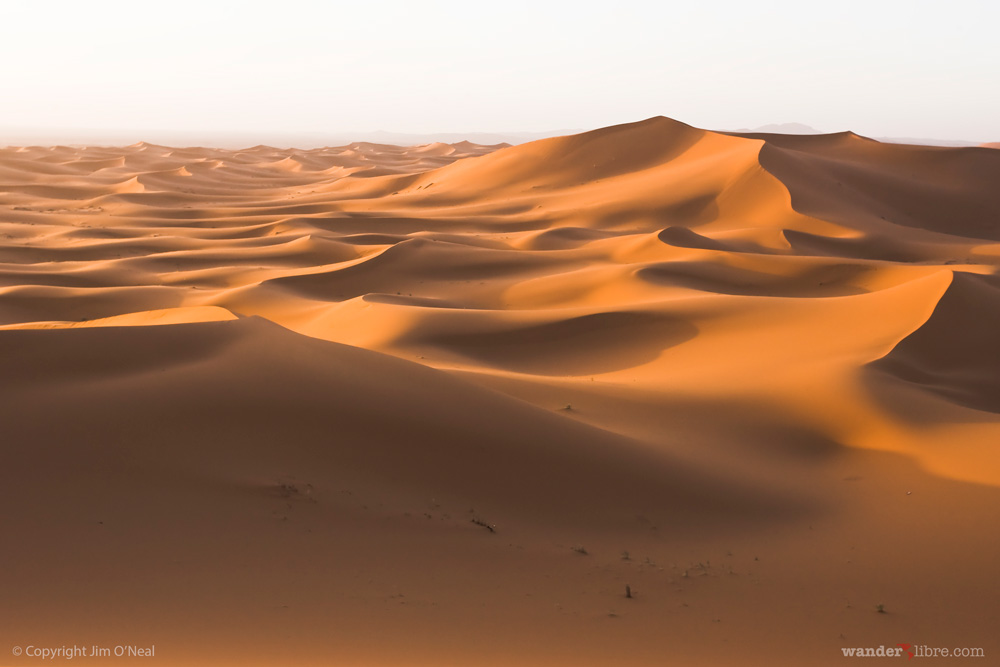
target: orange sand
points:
(252, 401)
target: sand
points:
(440, 405)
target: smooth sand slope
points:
(439, 405)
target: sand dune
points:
(439, 405)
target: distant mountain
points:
(783, 128)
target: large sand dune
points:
(753, 377)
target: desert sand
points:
(440, 405)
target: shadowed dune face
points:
(716, 353)
(613, 341)
(857, 181)
(247, 385)
(955, 353)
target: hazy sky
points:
(879, 67)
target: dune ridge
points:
(401, 403)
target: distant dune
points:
(926, 141)
(800, 128)
(235, 139)
(441, 404)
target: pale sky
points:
(879, 67)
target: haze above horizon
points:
(903, 69)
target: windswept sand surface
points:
(439, 405)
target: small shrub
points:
(488, 526)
